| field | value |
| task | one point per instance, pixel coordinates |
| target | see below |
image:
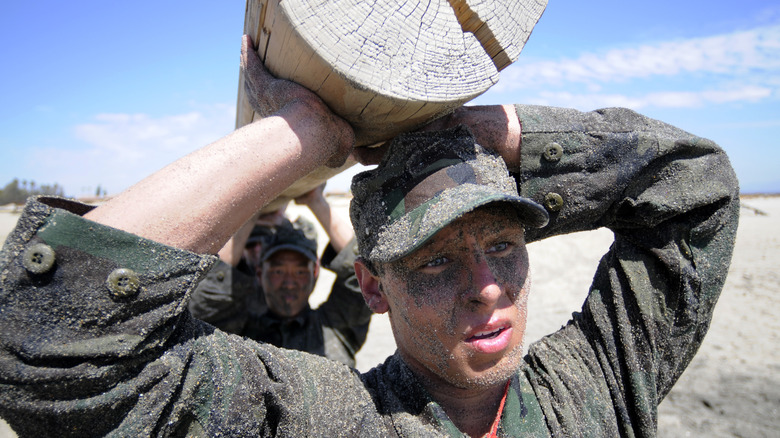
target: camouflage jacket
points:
(336, 329)
(96, 338)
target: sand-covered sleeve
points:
(671, 199)
(223, 297)
(96, 341)
(88, 313)
(345, 312)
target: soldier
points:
(97, 339)
(287, 271)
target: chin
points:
(496, 374)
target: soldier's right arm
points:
(96, 341)
(202, 199)
(96, 337)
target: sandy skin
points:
(457, 307)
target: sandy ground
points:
(732, 387)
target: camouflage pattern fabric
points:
(226, 298)
(425, 181)
(89, 351)
(337, 329)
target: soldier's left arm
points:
(345, 310)
(672, 201)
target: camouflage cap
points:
(293, 236)
(425, 181)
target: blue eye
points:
(438, 261)
(499, 247)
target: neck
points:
(471, 410)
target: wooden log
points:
(386, 66)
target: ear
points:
(316, 270)
(370, 286)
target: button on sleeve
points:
(38, 258)
(553, 152)
(123, 283)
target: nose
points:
(288, 280)
(484, 288)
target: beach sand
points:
(732, 386)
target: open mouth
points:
(486, 334)
(491, 341)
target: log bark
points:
(387, 66)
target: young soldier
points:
(287, 271)
(97, 339)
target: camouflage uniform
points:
(227, 297)
(85, 357)
(336, 329)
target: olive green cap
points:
(425, 181)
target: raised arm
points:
(202, 199)
(96, 337)
(496, 127)
(672, 201)
(337, 226)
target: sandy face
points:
(288, 279)
(457, 305)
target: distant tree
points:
(17, 193)
(10, 192)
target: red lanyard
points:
(494, 428)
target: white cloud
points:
(731, 68)
(136, 136)
(750, 94)
(756, 50)
(668, 99)
(117, 150)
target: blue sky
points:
(104, 93)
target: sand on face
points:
(732, 386)
(730, 389)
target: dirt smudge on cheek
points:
(511, 273)
(428, 314)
